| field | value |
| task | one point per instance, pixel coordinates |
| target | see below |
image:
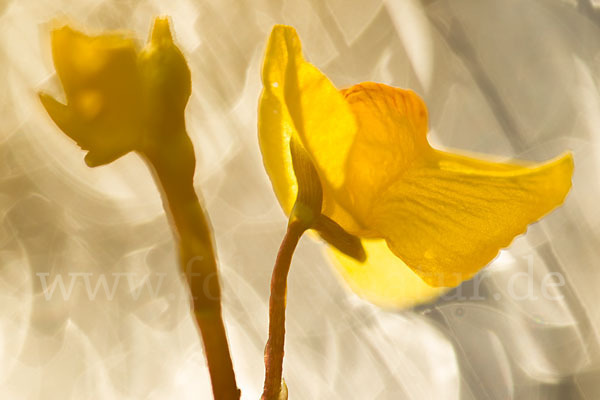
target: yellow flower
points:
(116, 95)
(443, 215)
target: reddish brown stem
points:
(275, 344)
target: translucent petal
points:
(448, 216)
(383, 278)
(275, 127)
(445, 215)
(297, 99)
(392, 125)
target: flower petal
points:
(445, 215)
(297, 99)
(100, 78)
(448, 216)
(61, 115)
(392, 125)
(383, 279)
(275, 127)
(106, 63)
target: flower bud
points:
(166, 80)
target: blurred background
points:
(514, 78)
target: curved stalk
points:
(173, 169)
(274, 349)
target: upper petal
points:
(297, 99)
(448, 217)
(392, 130)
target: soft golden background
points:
(516, 78)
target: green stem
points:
(173, 169)
(275, 345)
